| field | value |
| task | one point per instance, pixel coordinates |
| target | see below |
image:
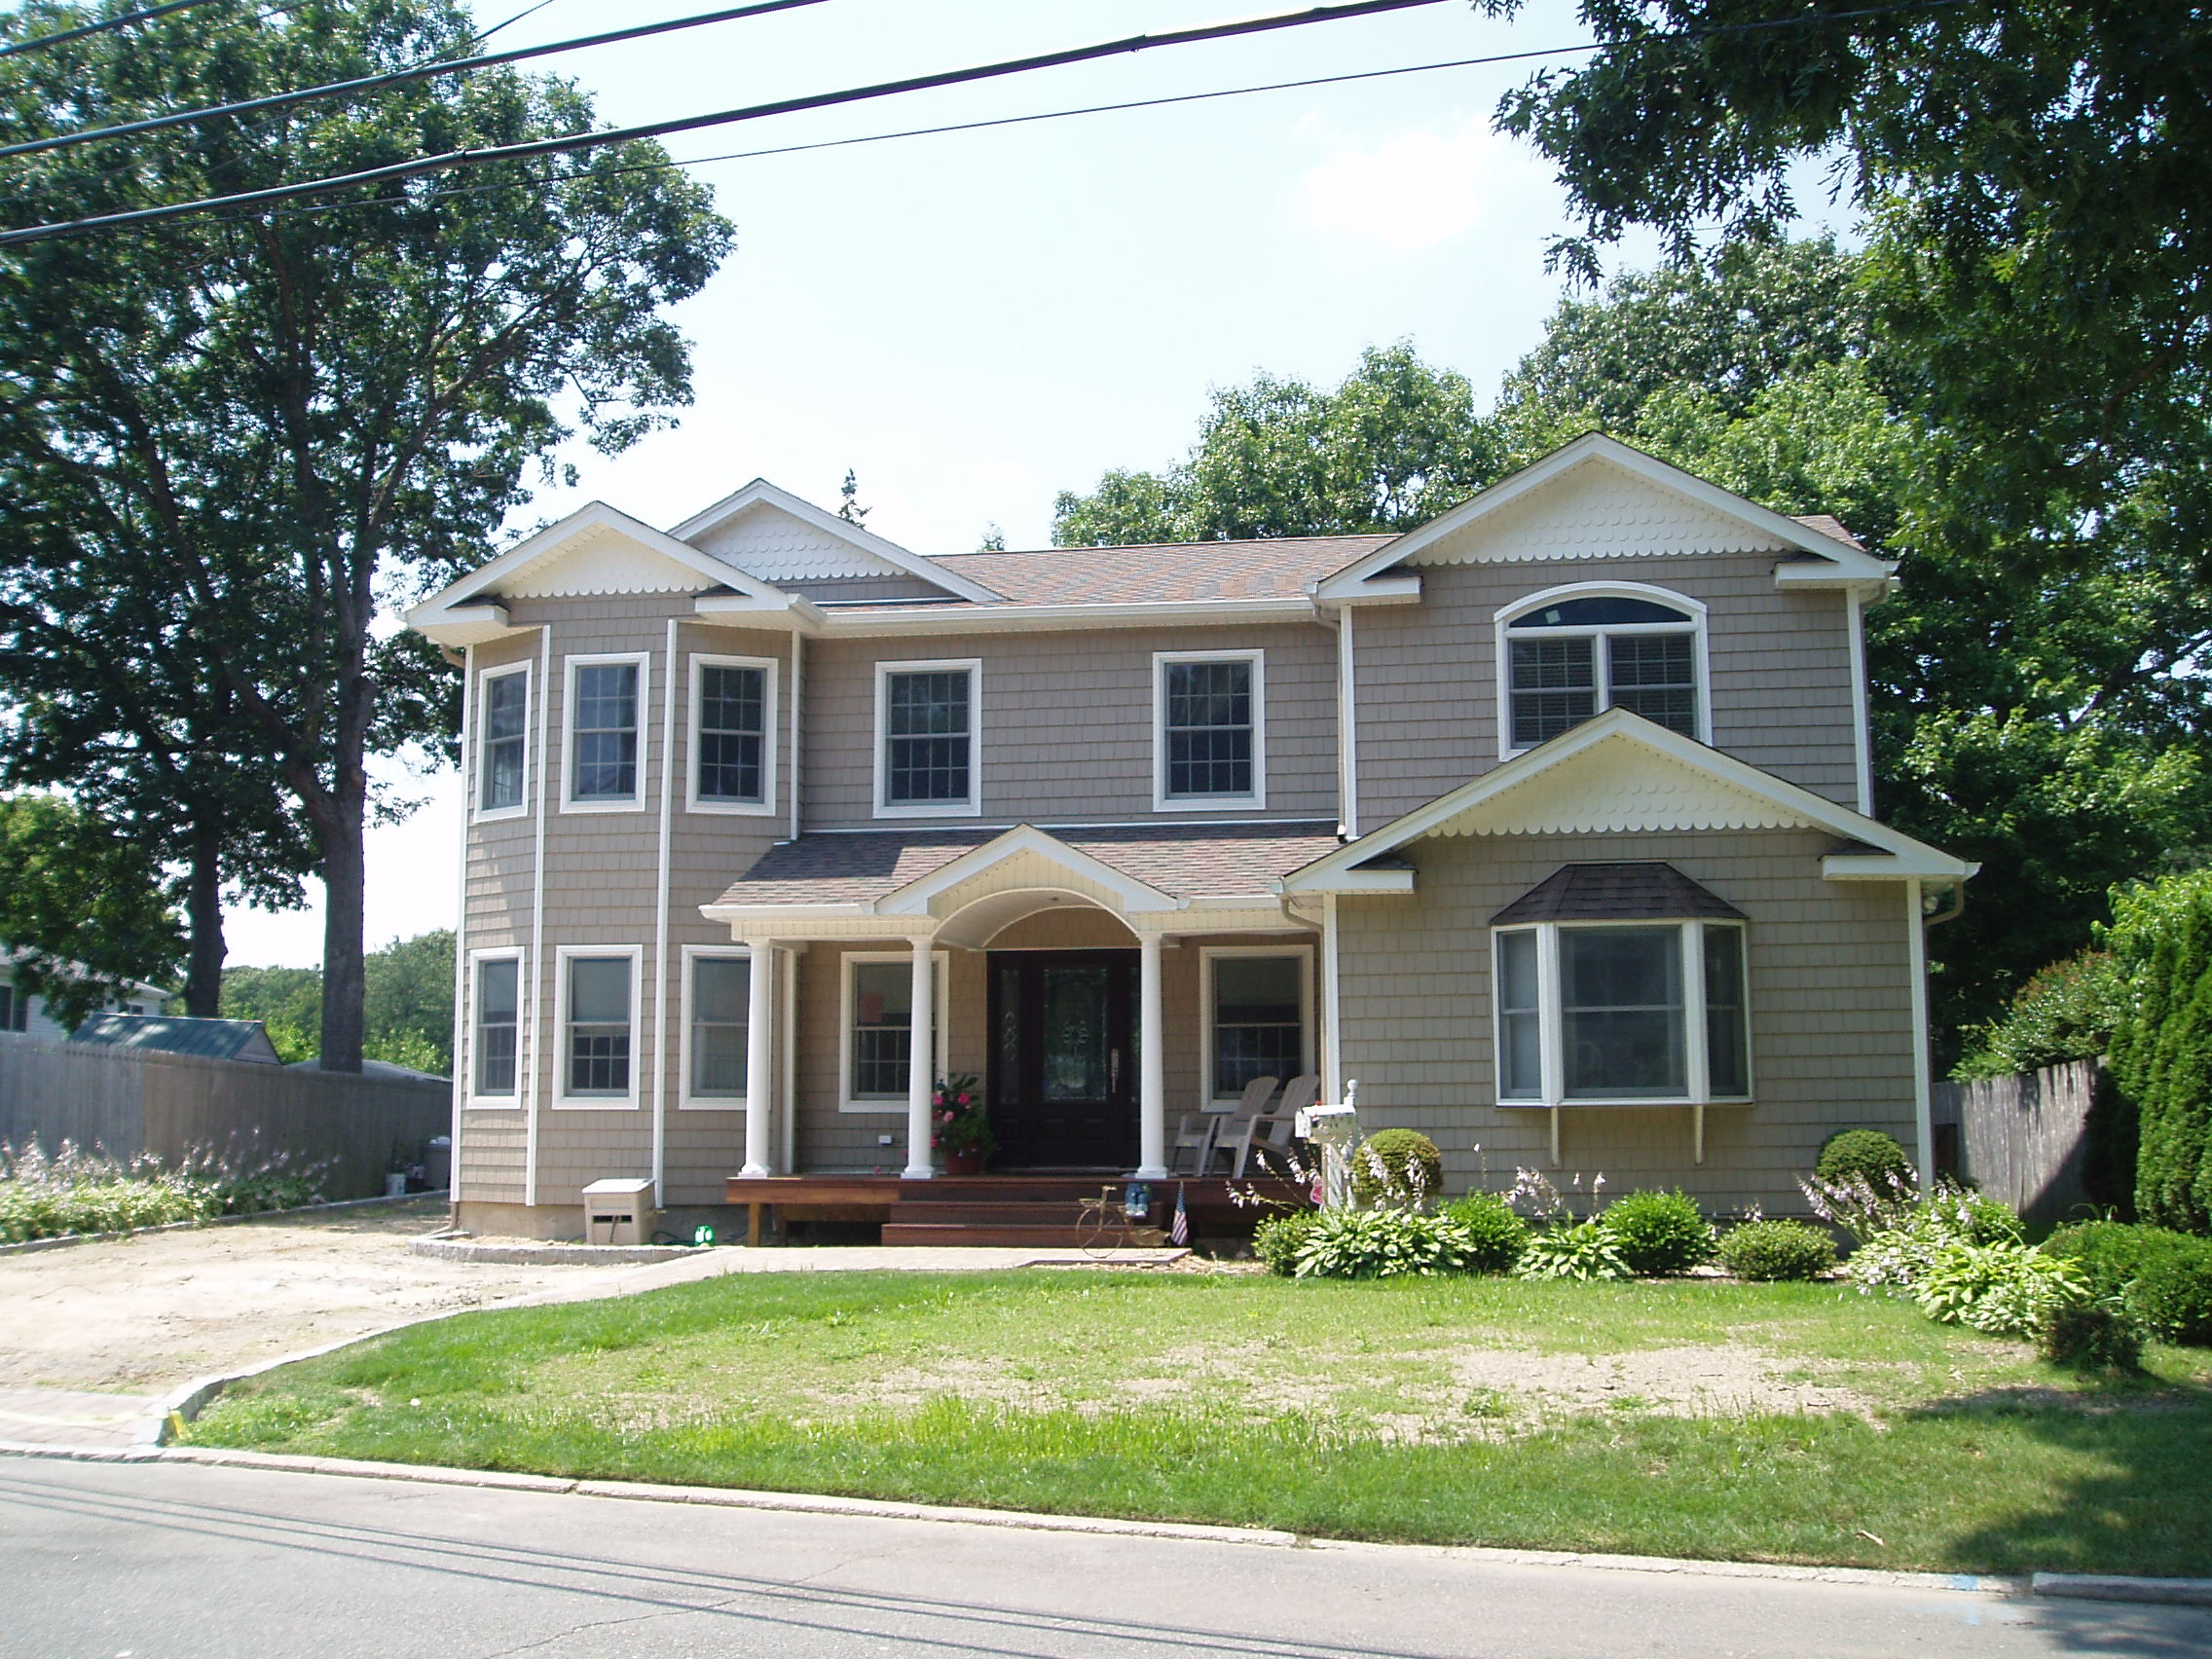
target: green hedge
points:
(2161, 1043)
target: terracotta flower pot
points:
(968, 1162)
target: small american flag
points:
(1180, 1232)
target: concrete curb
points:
(2105, 1587)
(548, 1255)
(67, 1240)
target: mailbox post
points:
(1334, 1129)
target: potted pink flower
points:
(959, 1126)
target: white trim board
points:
(866, 542)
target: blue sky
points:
(973, 322)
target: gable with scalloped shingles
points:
(1613, 786)
(1597, 510)
(766, 542)
(600, 560)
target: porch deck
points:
(1005, 1210)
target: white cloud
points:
(1422, 188)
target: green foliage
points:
(1495, 1236)
(2162, 1277)
(2098, 1334)
(1382, 1244)
(1899, 1241)
(1658, 1234)
(2161, 1043)
(2001, 1290)
(1865, 1155)
(1573, 1250)
(84, 906)
(409, 1004)
(2066, 1012)
(75, 1192)
(1767, 1250)
(1399, 1167)
(1277, 1240)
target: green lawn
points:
(1760, 1423)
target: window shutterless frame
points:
(1210, 957)
(1602, 669)
(968, 805)
(500, 786)
(1711, 965)
(848, 1007)
(688, 1098)
(701, 751)
(1165, 798)
(603, 739)
(561, 1054)
(478, 1039)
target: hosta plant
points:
(1573, 1250)
(2001, 1290)
(1382, 1244)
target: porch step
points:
(1020, 1235)
(1048, 1212)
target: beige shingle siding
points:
(1780, 672)
(1831, 1017)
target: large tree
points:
(82, 910)
(291, 419)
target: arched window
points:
(1567, 655)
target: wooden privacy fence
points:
(131, 1102)
(2025, 1138)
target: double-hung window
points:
(1209, 736)
(599, 1024)
(720, 1009)
(14, 1009)
(502, 741)
(1645, 1003)
(498, 1021)
(1568, 657)
(926, 746)
(879, 1029)
(733, 723)
(606, 700)
(1258, 1020)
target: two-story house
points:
(1550, 822)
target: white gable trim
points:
(1849, 563)
(1896, 855)
(761, 493)
(914, 898)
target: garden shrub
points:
(1659, 1233)
(2161, 1042)
(1896, 1256)
(2097, 1334)
(72, 1191)
(1573, 1250)
(2162, 1277)
(1276, 1239)
(1865, 1155)
(2001, 1290)
(1495, 1236)
(1380, 1243)
(2065, 1012)
(1397, 1166)
(1768, 1250)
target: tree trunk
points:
(204, 917)
(345, 882)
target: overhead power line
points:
(396, 77)
(722, 118)
(79, 33)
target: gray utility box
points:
(618, 1212)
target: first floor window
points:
(598, 1025)
(1259, 1021)
(505, 728)
(883, 1024)
(14, 1009)
(602, 728)
(1627, 1011)
(733, 733)
(499, 1006)
(721, 999)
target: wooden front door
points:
(1063, 1076)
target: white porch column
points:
(760, 1058)
(921, 1062)
(1152, 1079)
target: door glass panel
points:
(1075, 1033)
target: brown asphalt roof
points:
(1614, 892)
(1185, 859)
(1827, 523)
(1278, 567)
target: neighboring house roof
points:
(376, 1068)
(1275, 568)
(1625, 892)
(212, 1039)
(10, 956)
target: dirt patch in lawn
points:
(1672, 1382)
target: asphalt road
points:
(174, 1562)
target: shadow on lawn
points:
(2140, 1498)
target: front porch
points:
(1011, 1209)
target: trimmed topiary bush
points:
(1396, 1166)
(2163, 1279)
(1658, 1234)
(1865, 1155)
(1276, 1239)
(1767, 1250)
(1495, 1236)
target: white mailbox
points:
(618, 1212)
(1336, 1131)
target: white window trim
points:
(478, 812)
(562, 1098)
(765, 806)
(1695, 609)
(1254, 801)
(972, 806)
(685, 1100)
(635, 801)
(1551, 1024)
(886, 1107)
(1208, 955)
(516, 954)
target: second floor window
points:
(602, 728)
(928, 738)
(506, 723)
(1209, 728)
(1569, 659)
(733, 734)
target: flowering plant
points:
(958, 1121)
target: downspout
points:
(1331, 1027)
(537, 919)
(1923, 1082)
(799, 683)
(1861, 734)
(462, 1058)
(1347, 727)
(660, 922)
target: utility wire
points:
(79, 33)
(399, 77)
(722, 118)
